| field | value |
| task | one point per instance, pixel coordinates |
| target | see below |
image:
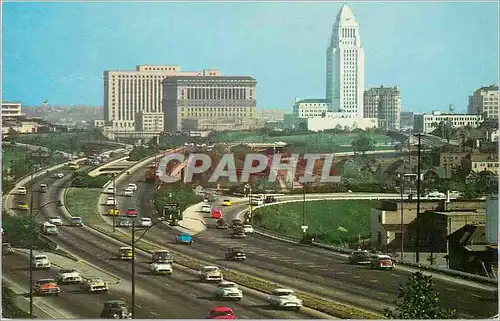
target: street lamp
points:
(133, 242)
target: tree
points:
(363, 144)
(419, 301)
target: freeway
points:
(307, 269)
(178, 296)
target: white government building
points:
(428, 122)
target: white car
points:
(21, 190)
(145, 221)
(132, 186)
(248, 229)
(41, 262)
(257, 202)
(284, 298)
(111, 201)
(94, 285)
(128, 192)
(56, 220)
(161, 268)
(58, 175)
(110, 190)
(206, 208)
(228, 290)
(68, 276)
(210, 273)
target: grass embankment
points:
(9, 307)
(11, 155)
(331, 222)
(83, 202)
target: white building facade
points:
(484, 101)
(306, 108)
(11, 109)
(331, 120)
(426, 123)
(345, 66)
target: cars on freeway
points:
(128, 192)
(115, 309)
(216, 213)
(123, 222)
(132, 186)
(235, 254)
(145, 222)
(41, 261)
(257, 201)
(161, 268)
(360, 257)
(73, 166)
(248, 229)
(238, 233)
(284, 298)
(162, 256)
(221, 224)
(228, 290)
(206, 208)
(381, 261)
(56, 220)
(221, 313)
(184, 238)
(210, 273)
(76, 221)
(131, 211)
(227, 203)
(125, 253)
(46, 286)
(58, 175)
(111, 201)
(21, 190)
(270, 199)
(21, 205)
(44, 188)
(93, 285)
(7, 249)
(48, 228)
(114, 211)
(68, 276)
(110, 190)
(236, 222)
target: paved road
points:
(311, 269)
(177, 296)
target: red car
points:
(216, 213)
(131, 212)
(221, 313)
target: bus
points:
(73, 165)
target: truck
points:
(49, 229)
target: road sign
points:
(171, 206)
(304, 228)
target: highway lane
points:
(312, 269)
(187, 298)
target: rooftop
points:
(167, 78)
(345, 15)
(312, 101)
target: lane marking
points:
(154, 313)
(450, 289)
(356, 276)
(477, 296)
(394, 274)
(375, 281)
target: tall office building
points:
(345, 66)
(128, 93)
(484, 101)
(383, 103)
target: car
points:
(41, 261)
(381, 261)
(270, 199)
(132, 186)
(221, 224)
(162, 256)
(235, 254)
(221, 313)
(257, 202)
(236, 223)
(238, 233)
(46, 286)
(128, 192)
(110, 190)
(111, 201)
(114, 211)
(44, 188)
(216, 213)
(228, 290)
(125, 253)
(209, 197)
(359, 257)
(184, 238)
(94, 284)
(161, 268)
(145, 222)
(210, 273)
(21, 190)
(131, 212)
(58, 175)
(123, 222)
(68, 276)
(227, 203)
(76, 221)
(7, 249)
(115, 309)
(21, 205)
(206, 208)
(284, 298)
(56, 220)
(248, 229)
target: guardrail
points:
(287, 238)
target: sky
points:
(437, 53)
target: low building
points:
(406, 119)
(98, 123)
(23, 127)
(11, 110)
(288, 121)
(149, 122)
(479, 162)
(331, 120)
(451, 160)
(307, 108)
(427, 123)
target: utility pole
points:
(417, 236)
(304, 209)
(114, 205)
(31, 246)
(401, 189)
(133, 269)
